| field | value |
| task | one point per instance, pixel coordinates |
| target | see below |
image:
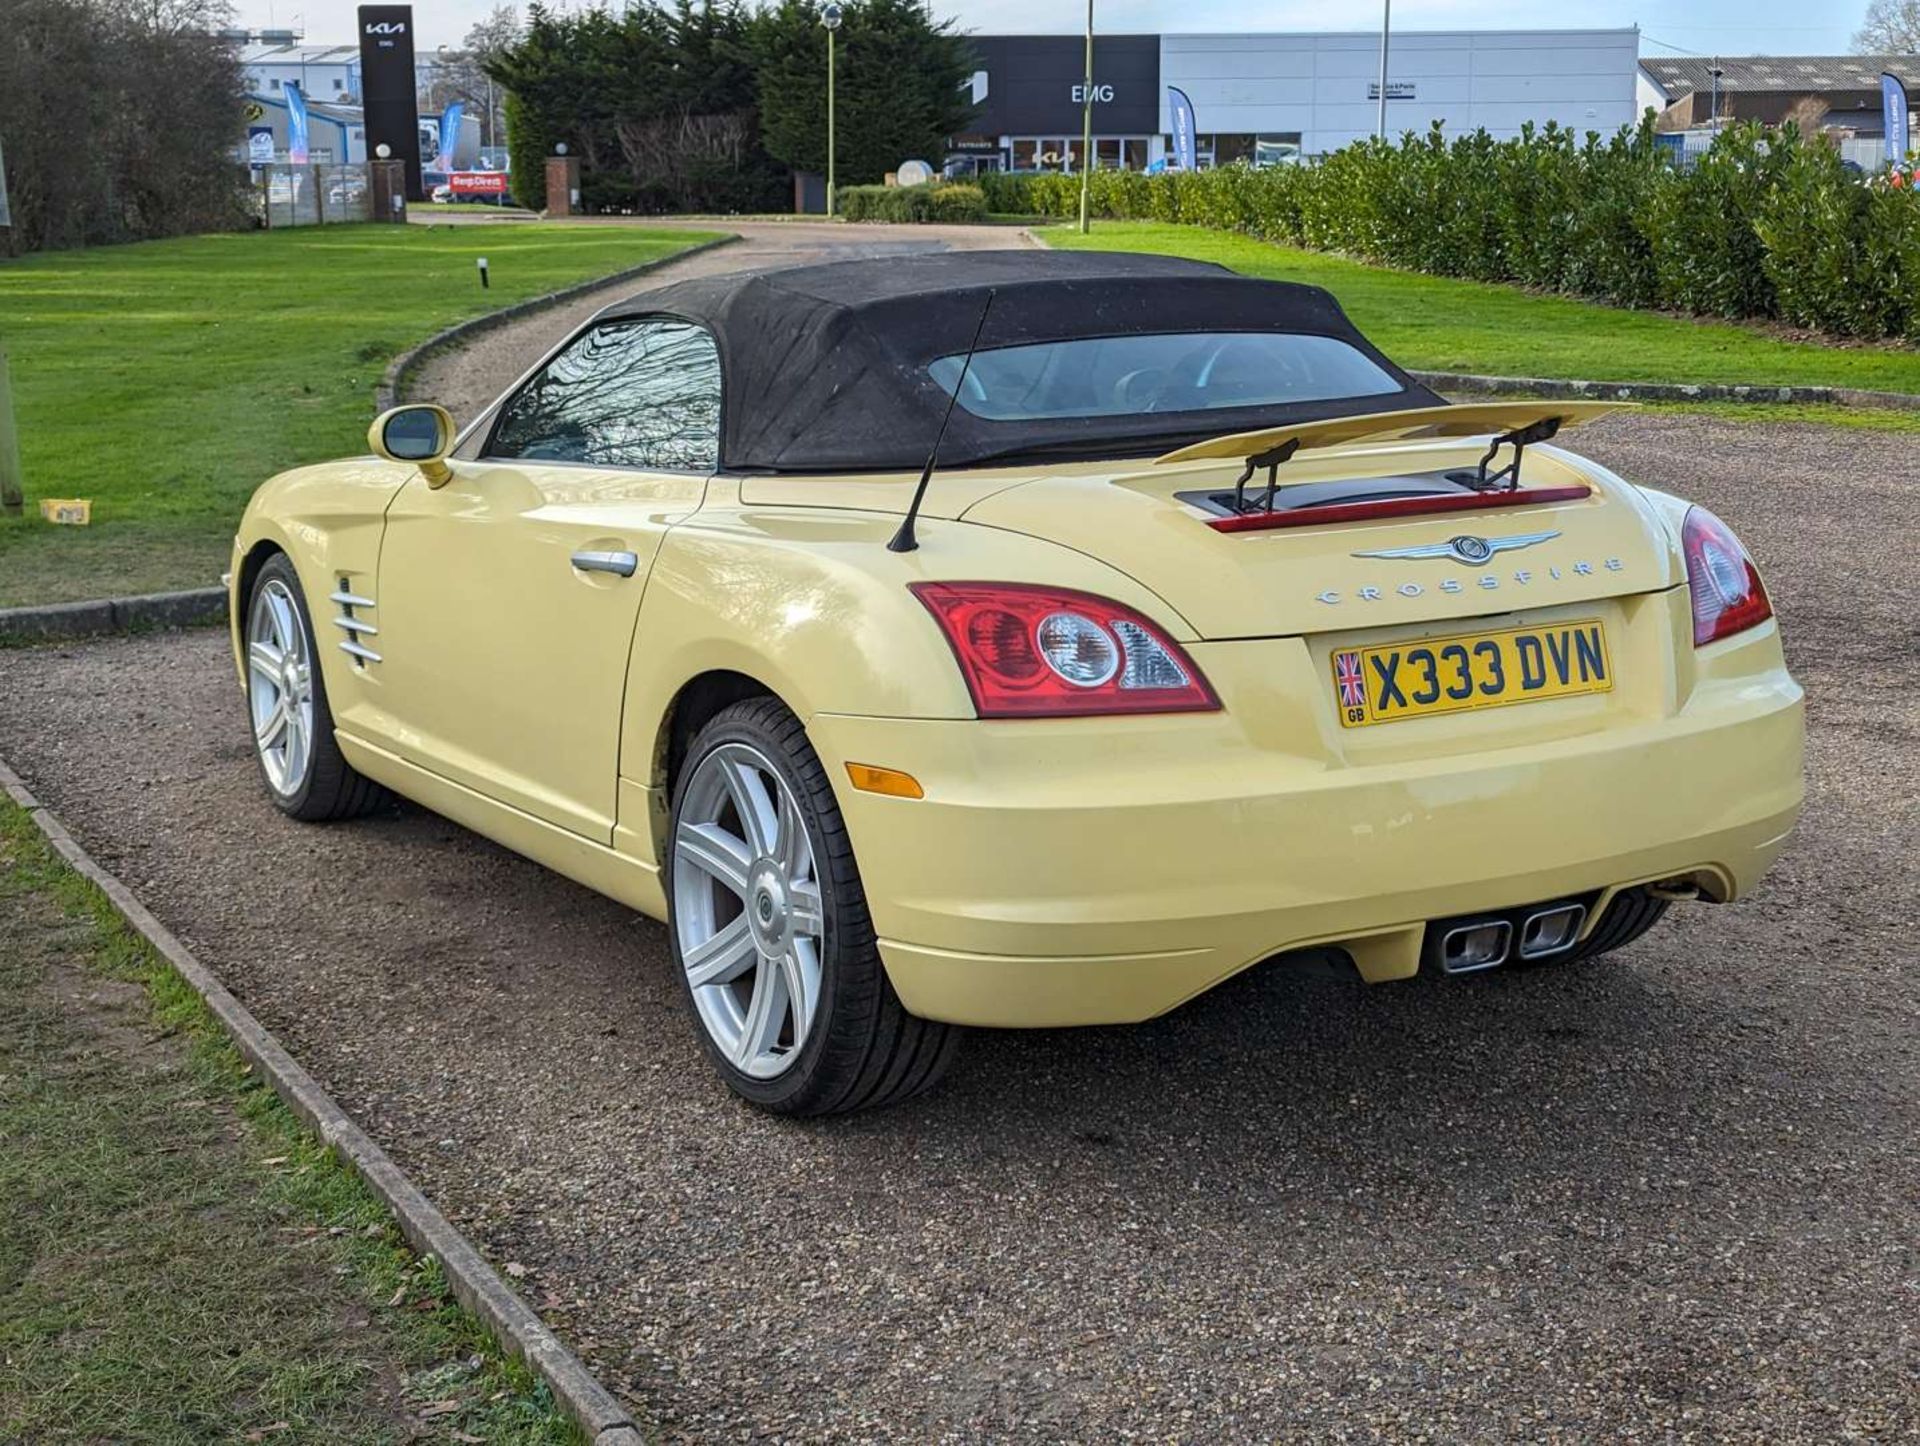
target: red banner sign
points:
(477, 183)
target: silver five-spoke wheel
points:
(280, 687)
(747, 910)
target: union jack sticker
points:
(1351, 683)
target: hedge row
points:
(947, 203)
(1765, 224)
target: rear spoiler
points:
(1476, 419)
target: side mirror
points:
(422, 434)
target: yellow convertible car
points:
(1020, 639)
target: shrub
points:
(959, 204)
(946, 203)
(1763, 224)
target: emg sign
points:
(1102, 94)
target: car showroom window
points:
(1163, 372)
(641, 393)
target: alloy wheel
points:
(280, 687)
(747, 910)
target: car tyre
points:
(305, 773)
(765, 905)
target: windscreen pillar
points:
(563, 185)
(388, 180)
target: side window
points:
(642, 393)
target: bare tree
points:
(462, 74)
(121, 120)
(1809, 113)
(1891, 27)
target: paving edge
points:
(56, 622)
(1665, 391)
(475, 1283)
(400, 370)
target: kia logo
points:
(388, 27)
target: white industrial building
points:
(323, 72)
(1276, 97)
(1324, 90)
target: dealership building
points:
(1277, 97)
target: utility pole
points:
(12, 488)
(1086, 132)
(12, 483)
(1386, 30)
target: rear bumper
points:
(1105, 870)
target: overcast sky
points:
(1668, 27)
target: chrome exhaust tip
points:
(1479, 944)
(1548, 932)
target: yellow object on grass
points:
(67, 511)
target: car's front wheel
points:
(300, 762)
(771, 933)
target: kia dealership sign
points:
(387, 86)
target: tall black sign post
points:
(387, 86)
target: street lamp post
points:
(830, 18)
(1386, 29)
(1086, 132)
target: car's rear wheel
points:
(771, 933)
(300, 762)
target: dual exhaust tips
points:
(1468, 945)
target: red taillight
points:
(1727, 595)
(1042, 652)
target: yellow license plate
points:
(1417, 679)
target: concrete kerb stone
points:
(475, 1283)
(1467, 382)
(57, 622)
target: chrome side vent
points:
(351, 604)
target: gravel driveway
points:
(1671, 1195)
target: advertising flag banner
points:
(1893, 101)
(449, 139)
(296, 125)
(1180, 114)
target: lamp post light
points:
(830, 19)
(1386, 29)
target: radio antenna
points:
(904, 540)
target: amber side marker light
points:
(890, 781)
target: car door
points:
(507, 597)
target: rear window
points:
(1166, 372)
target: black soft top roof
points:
(824, 368)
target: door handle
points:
(621, 564)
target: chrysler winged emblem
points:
(1466, 547)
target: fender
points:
(810, 604)
(329, 520)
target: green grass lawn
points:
(166, 380)
(1437, 324)
(180, 1261)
